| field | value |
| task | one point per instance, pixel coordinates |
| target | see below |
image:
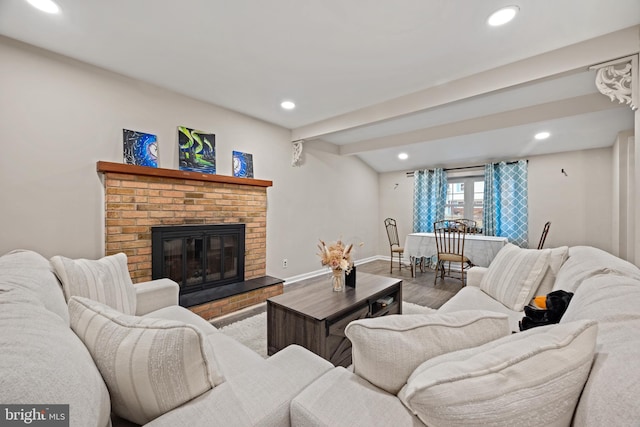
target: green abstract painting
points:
(197, 150)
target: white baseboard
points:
(323, 271)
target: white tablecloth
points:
(478, 248)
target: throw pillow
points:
(150, 366)
(514, 275)
(386, 350)
(557, 257)
(105, 280)
(532, 377)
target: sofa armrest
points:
(155, 294)
(475, 275)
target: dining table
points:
(478, 248)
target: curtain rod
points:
(409, 174)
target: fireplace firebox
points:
(205, 260)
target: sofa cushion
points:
(232, 357)
(31, 271)
(557, 257)
(387, 349)
(259, 396)
(341, 398)
(610, 395)
(105, 280)
(472, 298)
(514, 275)
(44, 362)
(532, 377)
(150, 365)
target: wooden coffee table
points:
(315, 316)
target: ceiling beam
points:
(577, 56)
(521, 116)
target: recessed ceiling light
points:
(502, 16)
(45, 5)
(288, 105)
(403, 156)
(542, 135)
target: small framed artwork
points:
(140, 148)
(242, 164)
(197, 150)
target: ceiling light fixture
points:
(542, 135)
(47, 6)
(502, 16)
(288, 105)
(403, 156)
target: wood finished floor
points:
(418, 290)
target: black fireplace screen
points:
(198, 257)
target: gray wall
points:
(578, 205)
(59, 117)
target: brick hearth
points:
(137, 198)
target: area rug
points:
(252, 331)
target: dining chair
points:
(545, 231)
(450, 236)
(394, 242)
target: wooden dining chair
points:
(545, 231)
(394, 241)
(450, 236)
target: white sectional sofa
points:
(42, 360)
(407, 369)
(509, 381)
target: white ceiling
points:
(338, 58)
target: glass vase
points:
(337, 280)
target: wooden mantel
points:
(172, 173)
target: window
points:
(465, 198)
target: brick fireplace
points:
(138, 198)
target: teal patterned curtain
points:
(429, 198)
(505, 202)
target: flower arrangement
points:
(337, 256)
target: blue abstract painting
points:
(242, 164)
(140, 148)
(197, 150)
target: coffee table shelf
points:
(315, 317)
